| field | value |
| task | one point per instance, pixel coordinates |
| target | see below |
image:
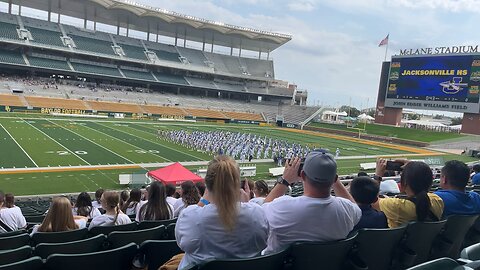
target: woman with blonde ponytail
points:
(113, 216)
(221, 226)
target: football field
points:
(70, 155)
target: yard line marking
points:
(34, 163)
(92, 142)
(197, 158)
(57, 142)
(126, 142)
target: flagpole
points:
(386, 49)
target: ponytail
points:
(422, 206)
(117, 211)
(419, 178)
(223, 181)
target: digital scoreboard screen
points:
(448, 83)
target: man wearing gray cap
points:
(315, 216)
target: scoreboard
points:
(449, 83)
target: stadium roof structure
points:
(131, 15)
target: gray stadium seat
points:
(33, 263)
(59, 237)
(146, 224)
(117, 228)
(15, 255)
(88, 245)
(14, 241)
(118, 239)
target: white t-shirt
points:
(96, 204)
(202, 236)
(93, 213)
(137, 217)
(178, 203)
(13, 218)
(172, 200)
(132, 208)
(81, 223)
(304, 218)
(258, 200)
(107, 220)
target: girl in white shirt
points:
(260, 189)
(156, 208)
(83, 206)
(132, 204)
(10, 214)
(113, 215)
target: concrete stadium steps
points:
(114, 107)
(11, 100)
(43, 102)
(206, 113)
(164, 110)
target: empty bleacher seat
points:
(206, 113)
(11, 100)
(114, 107)
(59, 237)
(163, 110)
(96, 69)
(15, 255)
(42, 102)
(158, 252)
(168, 78)
(88, 245)
(376, 247)
(243, 116)
(46, 37)
(15, 241)
(167, 56)
(147, 224)
(93, 45)
(134, 51)
(272, 261)
(194, 57)
(116, 228)
(33, 263)
(325, 255)
(11, 57)
(8, 31)
(121, 238)
(114, 259)
(48, 63)
(141, 75)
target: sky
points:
(334, 52)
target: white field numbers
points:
(142, 151)
(66, 153)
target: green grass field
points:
(47, 142)
(397, 132)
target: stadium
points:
(99, 94)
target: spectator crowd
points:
(225, 217)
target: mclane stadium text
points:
(440, 50)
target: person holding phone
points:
(415, 181)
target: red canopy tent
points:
(174, 174)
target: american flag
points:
(384, 41)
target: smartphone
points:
(300, 168)
(394, 166)
(242, 184)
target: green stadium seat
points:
(172, 79)
(59, 237)
(15, 241)
(15, 255)
(93, 45)
(48, 63)
(33, 263)
(328, 255)
(273, 261)
(376, 247)
(12, 233)
(439, 264)
(114, 259)
(158, 252)
(11, 57)
(449, 242)
(133, 74)
(46, 37)
(146, 224)
(8, 31)
(34, 218)
(94, 69)
(133, 51)
(117, 228)
(170, 233)
(427, 232)
(118, 239)
(88, 245)
(167, 56)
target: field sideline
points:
(46, 142)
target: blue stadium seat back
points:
(59, 237)
(158, 252)
(450, 240)
(15, 255)
(376, 247)
(114, 259)
(427, 232)
(88, 245)
(147, 224)
(272, 261)
(329, 255)
(15, 241)
(438, 264)
(121, 238)
(12, 233)
(116, 228)
(33, 263)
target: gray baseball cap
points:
(320, 167)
